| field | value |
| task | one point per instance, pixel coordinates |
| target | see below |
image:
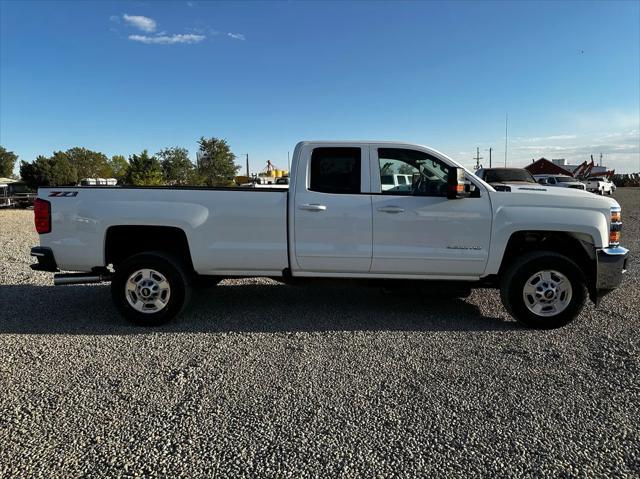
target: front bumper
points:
(611, 265)
(46, 260)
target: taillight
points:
(42, 216)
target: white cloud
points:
(236, 36)
(167, 39)
(620, 150)
(145, 24)
(545, 138)
(614, 133)
(561, 137)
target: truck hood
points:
(540, 195)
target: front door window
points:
(411, 172)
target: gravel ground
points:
(261, 379)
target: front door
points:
(416, 229)
(332, 222)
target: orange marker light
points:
(614, 237)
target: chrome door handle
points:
(391, 209)
(312, 207)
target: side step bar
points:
(62, 279)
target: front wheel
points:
(150, 289)
(543, 290)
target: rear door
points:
(332, 216)
(416, 229)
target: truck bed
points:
(229, 230)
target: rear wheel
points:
(543, 289)
(150, 289)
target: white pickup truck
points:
(600, 186)
(546, 249)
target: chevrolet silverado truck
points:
(546, 249)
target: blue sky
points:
(120, 77)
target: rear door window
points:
(336, 170)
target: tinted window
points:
(508, 174)
(335, 170)
(411, 172)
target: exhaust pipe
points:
(63, 279)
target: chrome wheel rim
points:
(147, 291)
(547, 293)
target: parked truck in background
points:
(600, 185)
(561, 181)
(546, 249)
(507, 179)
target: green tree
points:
(119, 168)
(177, 168)
(7, 162)
(144, 170)
(88, 163)
(216, 162)
(54, 171)
(36, 173)
(62, 172)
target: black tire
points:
(513, 282)
(173, 271)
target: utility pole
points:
(478, 158)
(490, 150)
(248, 175)
(506, 124)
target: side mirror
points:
(456, 184)
(543, 181)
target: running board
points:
(63, 279)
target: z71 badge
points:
(63, 194)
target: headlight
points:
(616, 226)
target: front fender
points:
(589, 225)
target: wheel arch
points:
(123, 241)
(579, 247)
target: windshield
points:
(508, 174)
(565, 179)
